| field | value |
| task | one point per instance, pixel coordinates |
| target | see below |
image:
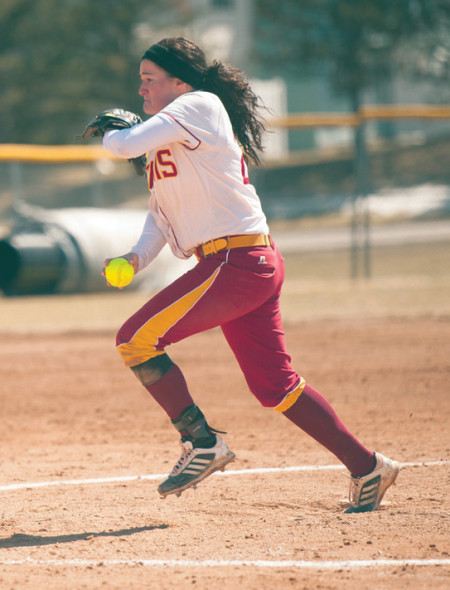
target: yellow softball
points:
(119, 273)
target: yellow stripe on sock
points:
(290, 399)
(142, 346)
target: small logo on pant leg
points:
(262, 260)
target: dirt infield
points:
(76, 422)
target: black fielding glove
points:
(115, 119)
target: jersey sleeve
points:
(196, 116)
(191, 119)
(142, 138)
(150, 243)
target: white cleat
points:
(367, 491)
(195, 465)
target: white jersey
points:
(196, 174)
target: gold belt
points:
(230, 242)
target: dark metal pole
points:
(361, 213)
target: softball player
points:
(202, 204)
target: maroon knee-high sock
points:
(315, 416)
(171, 392)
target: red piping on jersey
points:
(192, 149)
(244, 171)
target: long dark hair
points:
(230, 85)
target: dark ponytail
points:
(241, 104)
(187, 60)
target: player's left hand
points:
(115, 119)
(110, 119)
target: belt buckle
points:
(208, 248)
(213, 246)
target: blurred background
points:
(355, 180)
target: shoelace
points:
(355, 484)
(187, 452)
(353, 490)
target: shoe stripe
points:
(366, 493)
(366, 502)
(196, 461)
(195, 468)
(200, 463)
(371, 487)
(369, 492)
(372, 494)
(193, 471)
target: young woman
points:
(205, 125)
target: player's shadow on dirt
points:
(20, 540)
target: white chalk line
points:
(156, 476)
(191, 563)
(209, 563)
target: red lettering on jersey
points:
(163, 166)
(169, 168)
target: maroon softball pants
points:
(238, 290)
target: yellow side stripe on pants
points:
(290, 399)
(142, 346)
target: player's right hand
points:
(132, 258)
